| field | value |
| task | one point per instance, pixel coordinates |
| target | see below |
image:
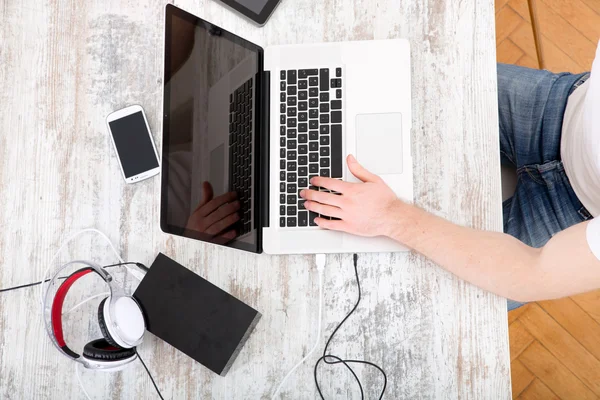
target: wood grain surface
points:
(65, 65)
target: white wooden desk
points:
(65, 65)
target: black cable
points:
(23, 286)
(149, 374)
(326, 357)
(65, 277)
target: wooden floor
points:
(554, 345)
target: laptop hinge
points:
(264, 146)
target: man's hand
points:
(215, 216)
(363, 208)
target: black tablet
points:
(258, 11)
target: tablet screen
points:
(256, 6)
(257, 10)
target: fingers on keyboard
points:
(311, 137)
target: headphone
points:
(120, 318)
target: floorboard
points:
(563, 346)
(575, 321)
(538, 391)
(590, 303)
(556, 60)
(579, 15)
(510, 21)
(528, 61)
(594, 5)
(515, 314)
(520, 339)
(521, 378)
(508, 52)
(546, 367)
(558, 31)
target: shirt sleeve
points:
(593, 236)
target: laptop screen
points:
(209, 180)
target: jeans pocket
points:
(576, 204)
(533, 173)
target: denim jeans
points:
(531, 107)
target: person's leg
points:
(531, 106)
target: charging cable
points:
(320, 261)
(330, 358)
(333, 360)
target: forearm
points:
(493, 261)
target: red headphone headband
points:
(57, 305)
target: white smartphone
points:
(132, 140)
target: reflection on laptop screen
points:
(209, 135)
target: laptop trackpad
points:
(379, 142)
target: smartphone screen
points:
(134, 144)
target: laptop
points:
(246, 127)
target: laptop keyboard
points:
(310, 137)
(240, 152)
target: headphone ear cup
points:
(102, 323)
(101, 350)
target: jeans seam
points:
(528, 170)
(508, 157)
